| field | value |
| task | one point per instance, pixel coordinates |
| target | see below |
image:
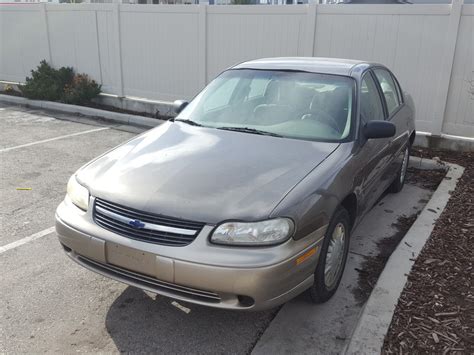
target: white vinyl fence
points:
(165, 52)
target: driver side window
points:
(371, 108)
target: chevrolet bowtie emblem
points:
(136, 224)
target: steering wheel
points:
(322, 116)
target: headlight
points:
(268, 232)
(78, 194)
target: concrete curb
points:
(84, 111)
(427, 164)
(129, 103)
(376, 316)
(137, 104)
(444, 142)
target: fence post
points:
(202, 45)
(447, 67)
(98, 45)
(118, 50)
(45, 17)
(310, 29)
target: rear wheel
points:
(332, 259)
(397, 184)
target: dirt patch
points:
(435, 313)
(372, 266)
(11, 93)
(426, 179)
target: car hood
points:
(203, 174)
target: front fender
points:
(313, 201)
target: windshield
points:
(281, 103)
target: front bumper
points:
(203, 273)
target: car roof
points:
(334, 66)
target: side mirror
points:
(379, 129)
(179, 105)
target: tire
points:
(324, 287)
(397, 184)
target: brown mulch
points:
(435, 312)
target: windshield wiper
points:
(190, 122)
(250, 130)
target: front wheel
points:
(332, 259)
(397, 184)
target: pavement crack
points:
(359, 254)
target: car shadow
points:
(139, 322)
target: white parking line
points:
(53, 139)
(26, 240)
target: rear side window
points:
(371, 108)
(399, 90)
(389, 90)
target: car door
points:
(397, 113)
(373, 156)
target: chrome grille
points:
(148, 282)
(144, 226)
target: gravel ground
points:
(435, 313)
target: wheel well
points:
(350, 204)
(412, 137)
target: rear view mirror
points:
(379, 129)
(179, 105)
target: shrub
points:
(82, 89)
(47, 83)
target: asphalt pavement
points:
(50, 304)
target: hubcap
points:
(335, 256)
(404, 166)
